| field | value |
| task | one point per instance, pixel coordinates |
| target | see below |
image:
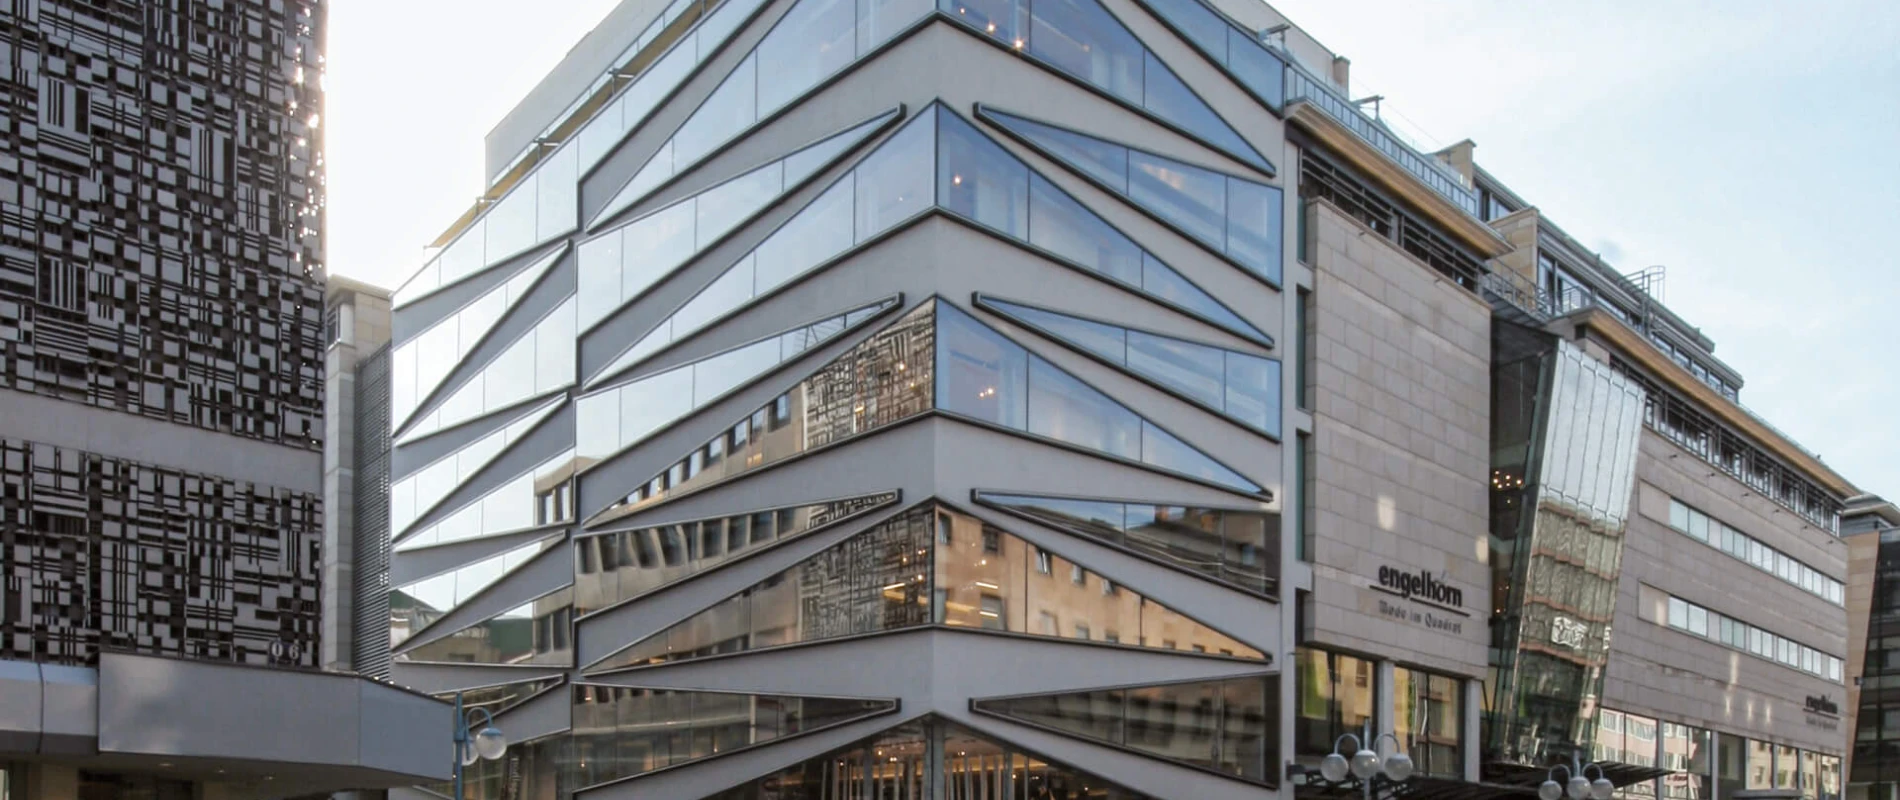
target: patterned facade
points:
(161, 255)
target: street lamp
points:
(1577, 787)
(1365, 763)
(472, 745)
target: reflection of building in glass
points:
(1872, 703)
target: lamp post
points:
(470, 745)
(1577, 787)
(1365, 764)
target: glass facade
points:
(623, 263)
(1240, 386)
(1564, 433)
(1428, 719)
(622, 731)
(928, 758)
(541, 496)
(1687, 751)
(613, 567)
(1234, 217)
(984, 376)
(619, 416)
(539, 632)
(1234, 47)
(1628, 739)
(420, 364)
(878, 382)
(1082, 40)
(415, 607)
(1237, 547)
(1225, 726)
(1875, 762)
(539, 362)
(812, 42)
(930, 564)
(1336, 695)
(420, 492)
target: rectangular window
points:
(1335, 696)
(1043, 565)
(1428, 720)
(1303, 356)
(1678, 613)
(1303, 505)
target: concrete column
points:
(1474, 728)
(1384, 712)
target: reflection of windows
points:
(992, 541)
(943, 529)
(1042, 561)
(1076, 575)
(1047, 624)
(1335, 696)
(992, 613)
(1428, 714)
(1702, 527)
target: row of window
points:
(1704, 528)
(1687, 616)
(1697, 772)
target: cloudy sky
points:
(1751, 147)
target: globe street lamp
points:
(472, 745)
(1577, 787)
(1365, 763)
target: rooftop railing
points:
(1302, 86)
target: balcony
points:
(1447, 184)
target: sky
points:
(1751, 147)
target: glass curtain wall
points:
(1336, 695)
(1222, 726)
(1428, 718)
(1875, 762)
(1563, 452)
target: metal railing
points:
(1302, 86)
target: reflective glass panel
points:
(1254, 66)
(815, 40)
(984, 375)
(619, 416)
(1217, 725)
(420, 364)
(816, 234)
(418, 493)
(416, 606)
(539, 496)
(1242, 386)
(641, 253)
(1429, 721)
(1232, 216)
(540, 361)
(499, 698)
(874, 581)
(539, 632)
(1233, 546)
(1686, 750)
(1335, 696)
(1081, 39)
(979, 180)
(622, 731)
(620, 565)
(880, 381)
(899, 764)
(991, 579)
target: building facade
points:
(162, 406)
(1123, 413)
(1871, 526)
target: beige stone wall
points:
(1401, 421)
(1673, 675)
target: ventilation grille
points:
(372, 515)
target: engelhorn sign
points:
(1420, 585)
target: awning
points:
(1617, 772)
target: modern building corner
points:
(166, 522)
(1124, 412)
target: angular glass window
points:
(821, 231)
(420, 364)
(1242, 386)
(815, 40)
(422, 490)
(1250, 63)
(539, 632)
(540, 496)
(880, 381)
(983, 183)
(624, 731)
(928, 758)
(869, 583)
(540, 361)
(1227, 726)
(623, 263)
(1081, 39)
(501, 697)
(417, 606)
(1234, 217)
(990, 579)
(620, 565)
(610, 420)
(983, 375)
(1234, 546)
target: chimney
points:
(1342, 73)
